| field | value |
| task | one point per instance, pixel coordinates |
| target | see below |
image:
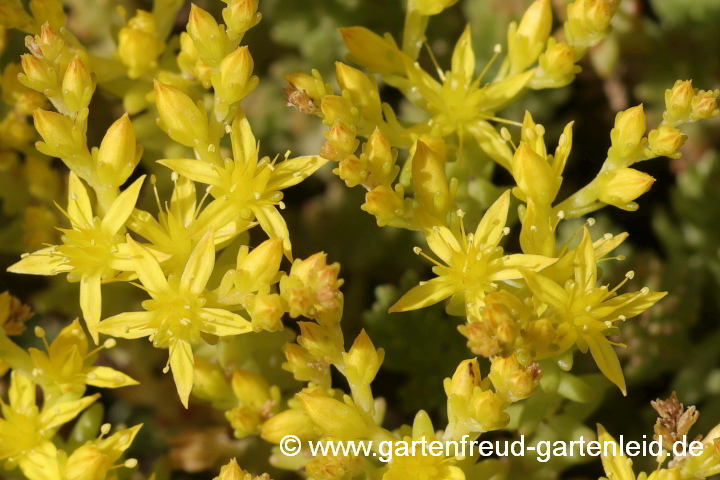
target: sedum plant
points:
(208, 292)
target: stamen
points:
(497, 50)
(418, 251)
(434, 61)
(40, 333)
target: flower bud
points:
(432, 7)
(87, 463)
(628, 131)
(363, 360)
(619, 187)
(233, 80)
(250, 388)
(266, 312)
(320, 341)
(61, 138)
(138, 47)
(341, 142)
(38, 76)
(50, 46)
(588, 21)
(363, 91)
(232, 471)
(208, 36)
(313, 87)
(464, 380)
(512, 381)
(537, 235)
(240, 16)
(373, 51)
(77, 86)
(704, 105)
(678, 100)
(209, 383)
(333, 417)
(381, 158)
(336, 108)
(353, 170)
(385, 204)
(290, 422)
(119, 153)
(428, 181)
(304, 366)
(180, 117)
(526, 41)
(558, 62)
(533, 175)
(665, 141)
(244, 420)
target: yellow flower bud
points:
(373, 51)
(232, 471)
(180, 117)
(138, 47)
(678, 100)
(512, 381)
(622, 186)
(240, 16)
(290, 422)
(333, 417)
(537, 235)
(266, 312)
(341, 142)
(526, 41)
(665, 141)
(534, 175)
(38, 74)
(432, 7)
(487, 409)
(87, 463)
(429, 183)
(208, 36)
(233, 80)
(628, 132)
(313, 87)
(381, 158)
(363, 91)
(321, 342)
(465, 379)
(363, 361)
(244, 420)
(336, 108)
(50, 46)
(119, 153)
(588, 21)
(385, 204)
(558, 63)
(209, 383)
(353, 170)
(335, 467)
(77, 86)
(304, 366)
(61, 137)
(250, 388)
(50, 11)
(704, 105)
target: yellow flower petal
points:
(293, 171)
(121, 208)
(22, 392)
(79, 208)
(616, 466)
(41, 262)
(106, 377)
(498, 94)
(547, 290)
(463, 57)
(442, 242)
(606, 359)
(196, 170)
(90, 301)
(148, 269)
(217, 321)
(41, 463)
(199, 266)
(426, 294)
(61, 413)
(274, 225)
(184, 200)
(584, 263)
(490, 229)
(116, 444)
(183, 366)
(128, 325)
(507, 267)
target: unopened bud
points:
(119, 153)
(526, 41)
(533, 175)
(240, 16)
(619, 187)
(373, 51)
(180, 117)
(233, 80)
(665, 141)
(138, 46)
(429, 182)
(678, 100)
(363, 91)
(208, 36)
